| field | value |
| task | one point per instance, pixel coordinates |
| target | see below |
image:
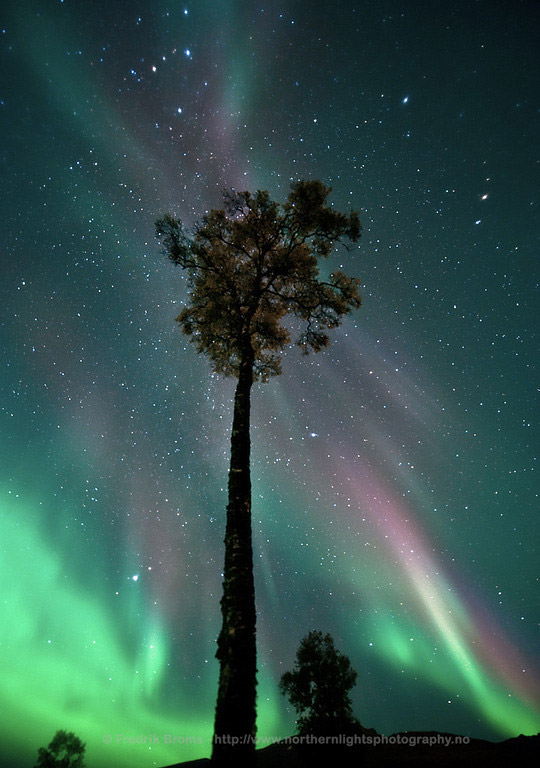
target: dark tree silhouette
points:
(65, 751)
(318, 687)
(250, 266)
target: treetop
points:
(253, 263)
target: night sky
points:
(394, 483)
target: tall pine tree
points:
(251, 265)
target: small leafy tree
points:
(318, 687)
(65, 751)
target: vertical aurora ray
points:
(490, 668)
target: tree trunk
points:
(234, 726)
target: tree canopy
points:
(65, 751)
(255, 262)
(318, 686)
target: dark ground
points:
(520, 752)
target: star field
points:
(395, 498)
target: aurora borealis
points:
(394, 488)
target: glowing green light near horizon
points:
(64, 665)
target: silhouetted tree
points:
(318, 687)
(65, 751)
(249, 266)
